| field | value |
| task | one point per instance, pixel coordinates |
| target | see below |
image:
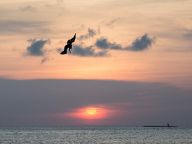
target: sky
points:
(130, 64)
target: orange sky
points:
(168, 60)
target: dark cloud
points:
(90, 33)
(87, 51)
(103, 43)
(141, 43)
(36, 102)
(36, 47)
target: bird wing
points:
(73, 39)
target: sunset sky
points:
(140, 51)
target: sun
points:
(91, 111)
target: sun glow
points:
(90, 113)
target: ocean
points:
(95, 135)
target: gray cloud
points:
(141, 43)
(36, 47)
(36, 102)
(103, 43)
(87, 51)
(90, 33)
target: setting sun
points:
(90, 113)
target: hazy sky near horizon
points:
(64, 102)
(147, 41)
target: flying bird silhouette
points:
(68, 45)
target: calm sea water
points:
(95, 135)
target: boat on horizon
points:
(166, 126)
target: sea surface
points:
(95, 135)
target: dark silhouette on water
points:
(69, 45)
(167, 126)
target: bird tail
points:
(63, 52)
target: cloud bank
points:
(139, 44)
(100, 49)
(102, 46)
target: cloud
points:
(36, 47)
(90, 33)
(81, 51)
(139, 44)
(103, 43)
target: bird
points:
(68, 45)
